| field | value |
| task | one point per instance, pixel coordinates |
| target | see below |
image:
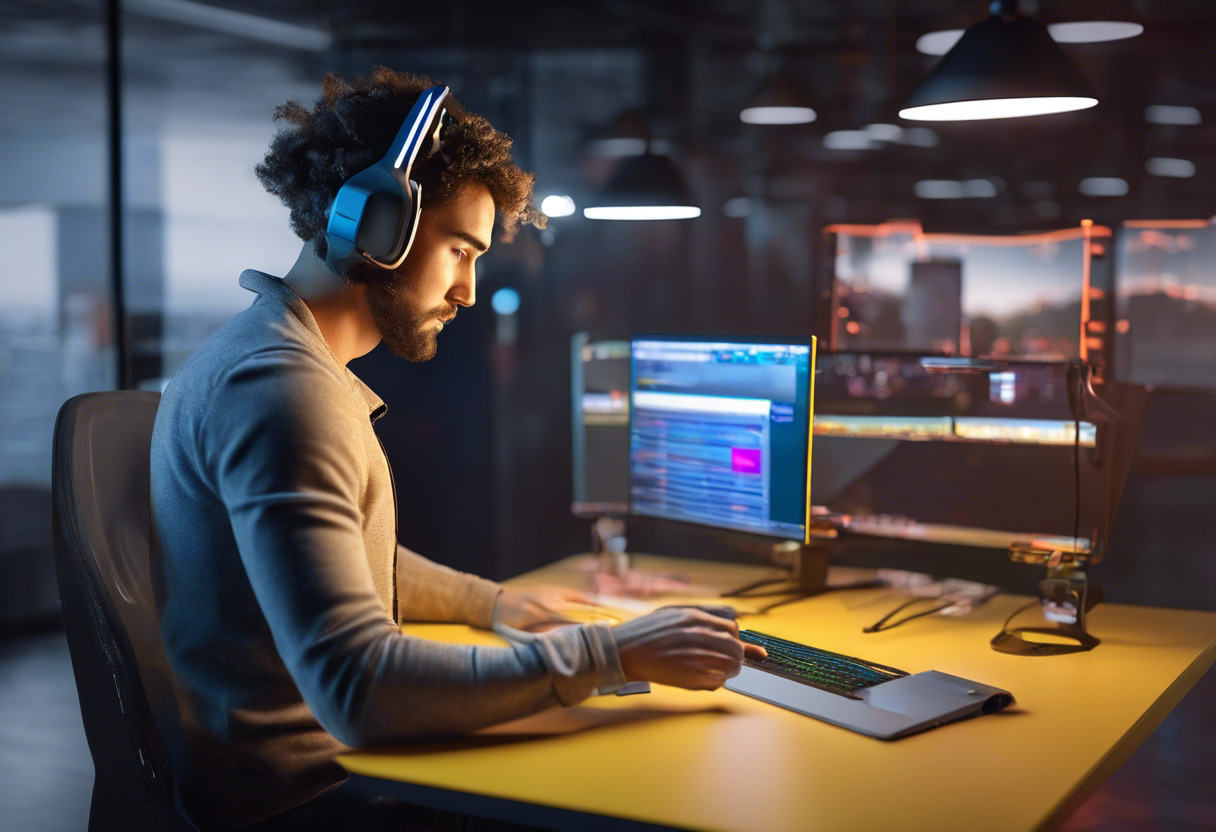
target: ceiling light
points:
(1166, 114)
(955, 189)
(884, 132)
(848, 140)
(938, 43)
(557, 205)
(1004, 67)
(1103, 186)
(1092, 21)
(780, 101)
(1179, 168)
(645, 187)
(1093, 31)
(1074, 21)
(737, 207)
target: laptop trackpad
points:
(935, 694)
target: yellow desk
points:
(722, 761)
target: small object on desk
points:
(637, 686)
(853, 693)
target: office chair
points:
(103, 543)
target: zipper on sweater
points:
(393, 482)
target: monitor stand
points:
(807, 565)
(1065, 596)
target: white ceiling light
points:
(1093, 31)
(777, 115)
(738, 207)
(884, 132)
(938, 43)
(955, 189)
(1163, 166)
(780, 101)
(1004, 67)
(557, 205)
(848, 140)
(1073, 21)
(642, 212)
(1103, 186)
(1167, 114)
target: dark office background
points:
(128, 207)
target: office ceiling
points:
(561, 75)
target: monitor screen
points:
(1166, 303)
(719, 432)
(939, 450)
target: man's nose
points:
(464, 290)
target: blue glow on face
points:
(505, 301)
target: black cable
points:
(1076, 464)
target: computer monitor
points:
(720, 432)
(1034, 296)
(599, 372)
(1001, 455)
(1166, 304)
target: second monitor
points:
(720, 432)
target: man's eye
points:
(460, 253)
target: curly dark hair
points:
(351, 127)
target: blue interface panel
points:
(720, 432)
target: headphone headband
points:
(375, 213)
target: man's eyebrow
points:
(470, 239)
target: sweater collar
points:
(275, 290)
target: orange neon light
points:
(915, 228)
(1167, 223)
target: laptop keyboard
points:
(833, 672)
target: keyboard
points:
(832, 672)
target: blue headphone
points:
(375, 214)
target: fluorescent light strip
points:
(642, 212)
(1167, 114)
(777, 115)
(996, 108)
(1093, 31)
(1177, 168)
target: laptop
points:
(863, 696)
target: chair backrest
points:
(103, 544)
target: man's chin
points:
(422, 347)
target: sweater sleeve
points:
(429, 591)
(289, 472)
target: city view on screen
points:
(898, 288)
(720, 432)
(1166, 329)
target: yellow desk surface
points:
(722, 761)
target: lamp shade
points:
(1003, 67)
(648, 186)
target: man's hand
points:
(686, 647)
(537, 608)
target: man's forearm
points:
(429, 591)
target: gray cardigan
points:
(282, 585)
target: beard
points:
(404, 327)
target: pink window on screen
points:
(745, 460)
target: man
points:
(283, 583)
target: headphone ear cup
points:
(380, 227)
